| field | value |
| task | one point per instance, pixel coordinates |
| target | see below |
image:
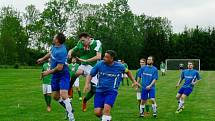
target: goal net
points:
(175, 64)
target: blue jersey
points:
(189, 75)
(59, 56)
(148, 74)
(109, 77)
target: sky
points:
(181, 13)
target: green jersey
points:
(46, 79)
(73, 68)
(125, 65)
(88, 52)
(162, 66)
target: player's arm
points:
(180, 80)
(44, 58)
(155, 78)
(196, 79)
(131, 77)
(58, 68)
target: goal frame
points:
(166, 62)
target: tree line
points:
(26, 36)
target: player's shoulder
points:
(155, 68)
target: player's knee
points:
(98, 113)
(153, 100)
(56, 97)
(143, 102)
(64, 95)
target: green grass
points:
(21, 99)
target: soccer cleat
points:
(155, 115)
(80, 98)
(179, 110)
(84, 106)
(141, 115)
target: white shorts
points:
(76, 83)
(138, 96)
(87, 69)
(125, 76)
(163, 70)
(47, 88)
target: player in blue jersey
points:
(190, 76)
(149, 76)
(60, 73)
(109, 77)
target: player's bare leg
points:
(106, 113)
(98, 112)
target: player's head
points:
(59, 38)
(190, 65)
(123, 61)
(150, 60)
(142, 62)
(85, 38)
(110, 56)
(74, 60)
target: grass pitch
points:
(21, 99)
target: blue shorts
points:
(187, 91)
(146, 94)
(102, 98)
(60, 81)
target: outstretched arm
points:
(44, 58)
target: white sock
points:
(142, 108)
(106, 118)
(154, 108)
(181, 103)
(68, 108)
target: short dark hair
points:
(84, 34)
(61, 38)
(143, 59)
(152, 57)
(112, 54)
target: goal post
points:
(173, 64)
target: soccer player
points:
(109, 77)
(125, 76)
(142, 64)
(60, 73)
(73, 67)
(90, 51)
(190, 76)
(149, 76)
(163, 68)
(47, 89)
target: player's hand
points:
(177, 85)
(40, 61)
(86, 88)
(148, 87)
(45, 73)
(136, 84)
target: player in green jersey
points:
(89, 51)
(46, 86)
(125, 76)
(163, 68)
(73, 67)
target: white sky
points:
(181, 12)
